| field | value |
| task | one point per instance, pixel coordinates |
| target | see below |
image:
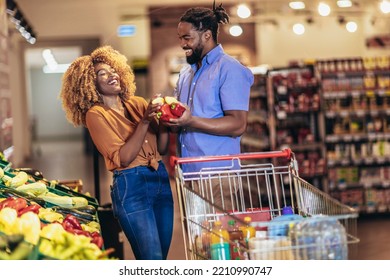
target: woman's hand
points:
(151, 110)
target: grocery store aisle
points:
(66, 160)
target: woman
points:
(98, 93)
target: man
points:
(215, 88)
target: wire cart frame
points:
(262, 188)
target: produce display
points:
(38, 221)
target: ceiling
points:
(260, 9)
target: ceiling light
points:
(235, 30)
(60, 68)
(243, 11)
(299, 28)
(385, 6)
(344, 3)
(297, 5)
(351, 26)
(49, 59)
(323, 9)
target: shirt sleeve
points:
(235, 84)
(106, 141)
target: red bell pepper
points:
(31, 208)
(165, 114)
(79, 232)
(14, 203)
(6, 202)
(72, 222)
(177, 109)
(97, 239)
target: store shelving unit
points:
(335, 117)
(296, 118)
(356, 94)
(256, 137)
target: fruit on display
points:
(20, 179)
(48, 215)
(27, 224)
(38, 192)
(64, 201)
(58, 243)
(37, 188)
(13, 247)
(171, 108)
(8, 192)
(82, 215)
(47, 223)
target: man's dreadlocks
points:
(206, 19)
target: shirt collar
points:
(211, 56)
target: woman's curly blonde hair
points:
(79, 92)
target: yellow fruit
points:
(51, 230)
(79, 201)
(36, 189)
(8, 218)
(20, 179)
(64, 201)
(170, 99)
(158, 100)
(48, 215)
(7, 180)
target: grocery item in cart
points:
(280, 225)
(220, 247)
(319, 238)
(268, 197)
(202, 241)
(236, 238)
(247, 230)
(206, 236)
(270, 248)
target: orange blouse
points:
(110, 130)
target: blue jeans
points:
(143, 204)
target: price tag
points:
(282, 90)
(281, 115)
(369, 160)
(360, 113)
(347, 138)
(330, 114)
(355, 93)
(380, 160)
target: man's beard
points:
(196, 55)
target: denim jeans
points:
(143, 204)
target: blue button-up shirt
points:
(222, 83)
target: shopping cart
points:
(264, 187)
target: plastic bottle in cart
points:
(206, 239)
(247, 230)
(220, 249)
(279, 226)
(236, 237)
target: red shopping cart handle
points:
(285, 153)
